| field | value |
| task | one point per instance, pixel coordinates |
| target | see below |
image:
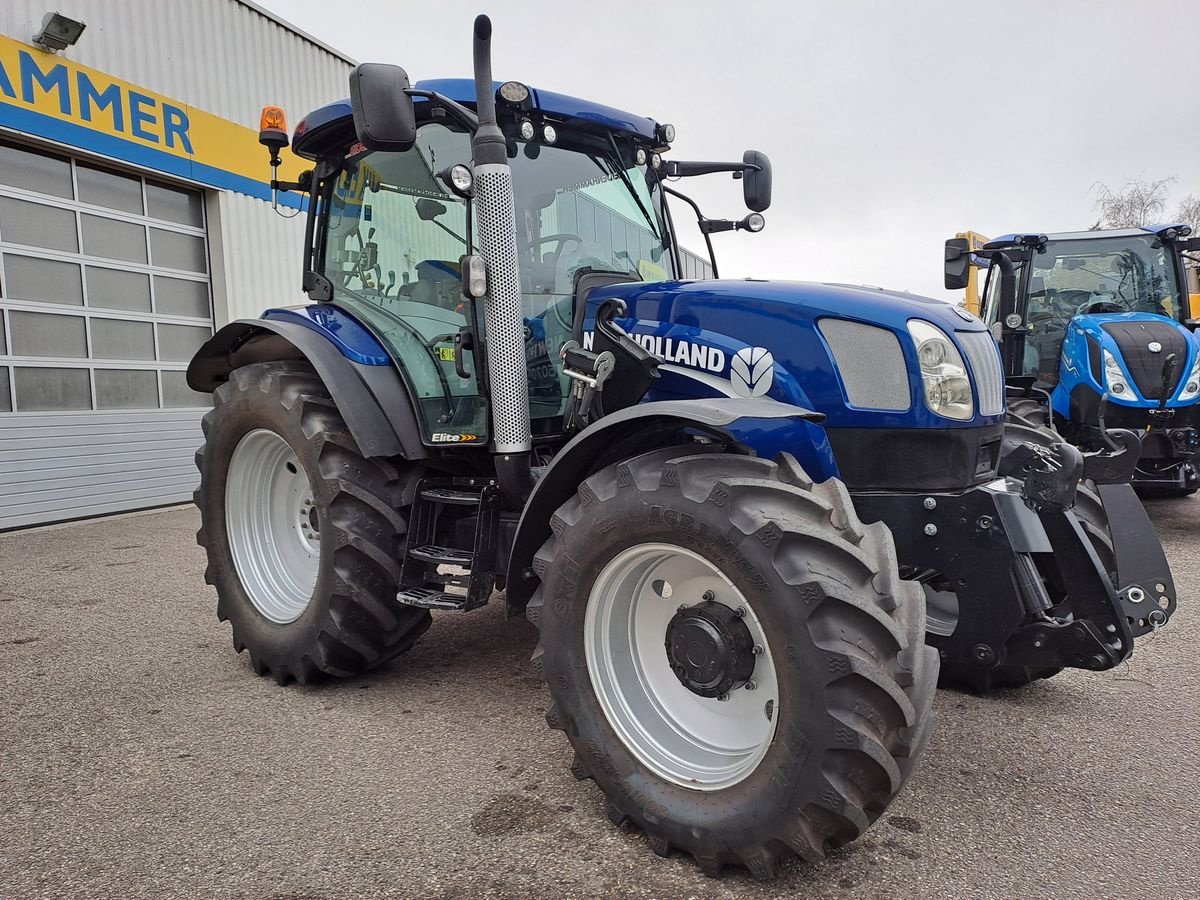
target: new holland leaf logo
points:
(751, 371)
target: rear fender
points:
(373, 399)
(761, 427)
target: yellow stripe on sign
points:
(35, 85)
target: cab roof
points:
(1152, 230)
(322, 129)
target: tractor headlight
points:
(944, 378)
(1114, 378)
(1191, 389)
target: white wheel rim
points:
(272, 525)
(700, 743)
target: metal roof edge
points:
(279, 20)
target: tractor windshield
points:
(393, 236)
(1105, 274)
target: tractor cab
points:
(1111, 278)
(392, 227)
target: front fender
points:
(371, 398)
(760, 426)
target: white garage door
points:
(104, 296)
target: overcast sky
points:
(890, 125)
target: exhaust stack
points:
(496, 225)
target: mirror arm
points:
(700, 221)
(303, 183)
(679, 168)
(463, 115)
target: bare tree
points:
(1138, 203)
(1189, 212)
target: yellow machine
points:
(974, 289)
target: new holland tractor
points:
(500, 382)
(1095, 333)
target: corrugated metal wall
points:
(227, 58)
(41, 476)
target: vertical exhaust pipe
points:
(496, 226)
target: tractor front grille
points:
(983, 356)
(1134, 339)
(870, 364)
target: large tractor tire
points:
(1025, 422)
(1031, 413)
(302, 532)
(732, 655)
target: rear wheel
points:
(732, 654)
(302, 532)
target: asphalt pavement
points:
(140, 757)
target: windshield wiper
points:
(629, 185)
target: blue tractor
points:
(723, 504)
(1095, 333)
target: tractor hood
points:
(1138, 345)
(842, 350)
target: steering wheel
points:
(1101, 306)
(563, 239)
(1049, 320)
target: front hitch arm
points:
(1051, 474)
(1116, 464)
(1145, 588)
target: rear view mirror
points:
(756, 182)
(384, 118)
(428, 210)
(958, 263)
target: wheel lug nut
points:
(740, 612)
(751, 686)
(759, 650)
(709, 595)
(723, 697)
(682, 607)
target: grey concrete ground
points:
(140, 757)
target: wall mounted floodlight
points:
(58, 32)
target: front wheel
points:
(732, 655)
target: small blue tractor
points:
(1095, 333)
(500, 382)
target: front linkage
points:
(1036, 588)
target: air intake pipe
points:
(496, 226)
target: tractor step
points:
(449, 556)
(450, 496)
(431, 598)
(446, 515)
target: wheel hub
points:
(702, 743)
(710, 649)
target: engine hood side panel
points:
(719, 338)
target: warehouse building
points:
(134, 216)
